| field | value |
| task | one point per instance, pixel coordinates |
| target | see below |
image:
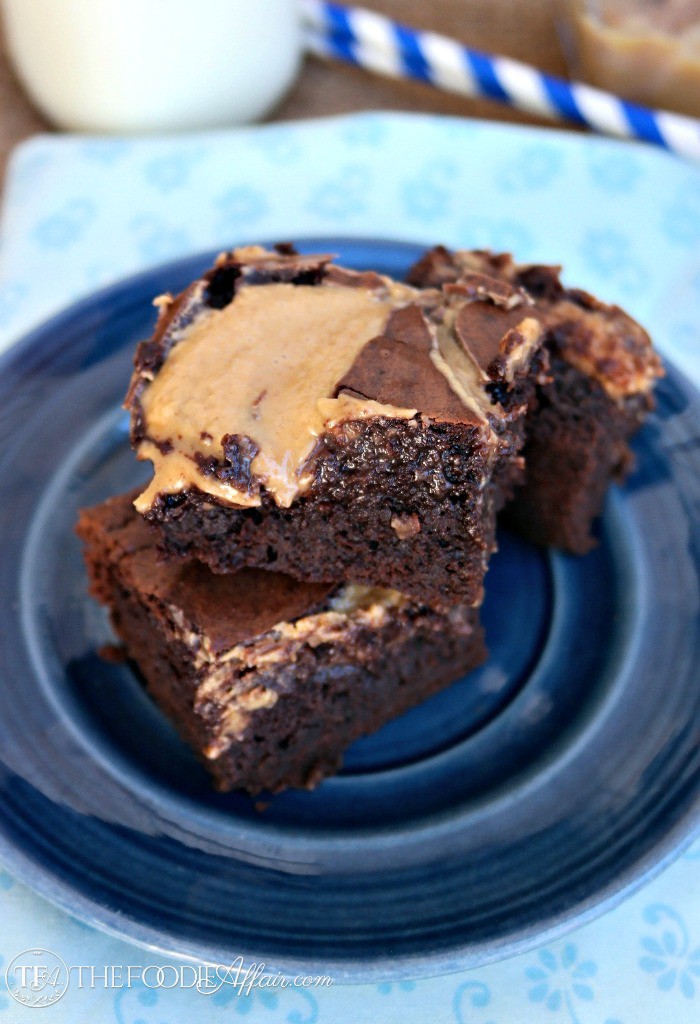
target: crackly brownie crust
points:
(403, 480)
(602, 369)
(268, 679)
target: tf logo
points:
(37, 977)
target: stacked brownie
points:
(330, 451)
(267, 678)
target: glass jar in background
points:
(644, 50)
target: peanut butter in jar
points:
(644, 50)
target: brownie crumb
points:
(405, 526)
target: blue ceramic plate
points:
(506, 810)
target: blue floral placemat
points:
(80, 213)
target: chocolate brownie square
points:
(267, 678)
(602, 371)
(335, 425)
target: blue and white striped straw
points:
(371, 41)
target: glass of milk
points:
(153, 65)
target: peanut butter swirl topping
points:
(249, 367)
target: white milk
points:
(153, 65)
